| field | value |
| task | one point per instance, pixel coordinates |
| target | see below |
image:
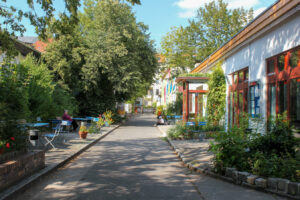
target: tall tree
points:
(120, 57)
(214, 25)
(12, 19)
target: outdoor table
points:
(80, 118)
(35, 125)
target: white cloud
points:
(258, 11)
(190, 7)
(188, 14)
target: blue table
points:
(80, 118)
(37, 124)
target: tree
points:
(216, 96)
(214, 25)
(120, 58)
(108, 57)
(43, 21)
(12, 23)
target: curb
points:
(27, 182)
(207, 170)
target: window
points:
(283, 85)
(280, 62)
(241, 77)
(235, 78)
(271, 66)
(294, 59)
(295, 101)
(238, 96)
(254, 108)
(272, 99)
(282, 97)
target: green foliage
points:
(108, 117)
(100, 122)
(216, 96)
(175, 108)
(271, 154)
(278, 140)
(12, 19)
(214, 25)
(83, 128)
(119, 51)
(27, 91)
(178, 131)
(194, 75)
(12, 137)
(93, 128)
(231, 150)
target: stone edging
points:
(18, 188)
(279, 186)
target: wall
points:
(14, 170)
(282, 37)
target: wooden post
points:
(196, 105)
(185, 114)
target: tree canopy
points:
(43, 21)
(108, 57)
(214, 25)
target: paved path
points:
(133, 163)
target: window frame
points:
(240, 86)
(286, 75)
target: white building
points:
(262, 66)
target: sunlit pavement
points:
(133, 163)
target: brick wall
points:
(14, 170)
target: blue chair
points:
(95, 119)
(202, 123)
(49, 137)
(190, 123)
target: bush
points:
(178, 131)
(272, 154)
(231, 149)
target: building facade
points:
(262, 66)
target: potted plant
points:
(108, 118)
(83, 132)
(100, 122)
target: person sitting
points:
(68, 118)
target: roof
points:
(26, 49)
(192, 79)
(28, 39)
(266, 18)
(41, 46)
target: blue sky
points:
(161, 15)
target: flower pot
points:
(82, 135)
(106, 124)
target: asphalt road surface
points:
(133, 163)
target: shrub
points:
(93, 128)
(178, 131)
(231, 149)
(271, 154)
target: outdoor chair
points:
(95, 119)
(66, 126)
(50, 137)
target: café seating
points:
(50, 137)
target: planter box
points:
(22, 166)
